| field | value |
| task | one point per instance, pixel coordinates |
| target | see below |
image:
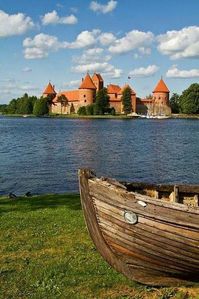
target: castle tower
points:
(98, 81)
(161, 104)
(49, 91)
(87, 91)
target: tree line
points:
(187, 102)
(26, 105)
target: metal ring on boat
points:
(130, 217)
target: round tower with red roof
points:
(161, 104)
(87, 91)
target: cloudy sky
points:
(61, 40)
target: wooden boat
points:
(150, 233)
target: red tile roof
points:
(112, 88)
(87, 83)
(71, 95)
(98, 76)
(49, 89)
(161, 87)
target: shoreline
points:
(121, 116)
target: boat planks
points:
(160, 248)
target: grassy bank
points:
(180, 115)
(119, 116)
(46, 252)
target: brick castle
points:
(157, 104)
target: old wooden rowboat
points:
(150, 233)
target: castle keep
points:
(158, 104)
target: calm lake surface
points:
(42, 155)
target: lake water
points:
(42, 155)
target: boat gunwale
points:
(148, 199)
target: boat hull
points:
(149, 241)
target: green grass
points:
(105, 116)
(45, 252)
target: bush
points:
(41, 107)
(112, 112)
(82, 110)
(90, 109)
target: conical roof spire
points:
(87, 83)
(49, 89)
(161, 87)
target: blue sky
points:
(62, 40)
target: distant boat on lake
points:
(150, 233)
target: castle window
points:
(84, 95)
(159, 98)
(84, 101)
(116, 95)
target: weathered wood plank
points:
(154, 250)
(123, 200)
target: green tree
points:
(3, 108)
(102, 102)
(24, 105)
(81, 110)
(175, 103)
(90, 109)
(126, 100)
(62, 99)
(41, 107)
(12, 106)
(72, 109)
(189, 100)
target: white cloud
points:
(74, 9)
(92, 55)
(104, 68)
(144, 72)
(41, 45)
(174, 72)
(100, 67)
(180, 44)
(132, 40)
(53, 18)
(15, 24)
(85, 39)
(107, 38)
(27, 70)
(103, 8)
(144, 51)
(72, 83)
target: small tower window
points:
(84, 101)
(84, 95)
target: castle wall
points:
(70, 108)
(116, 105)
